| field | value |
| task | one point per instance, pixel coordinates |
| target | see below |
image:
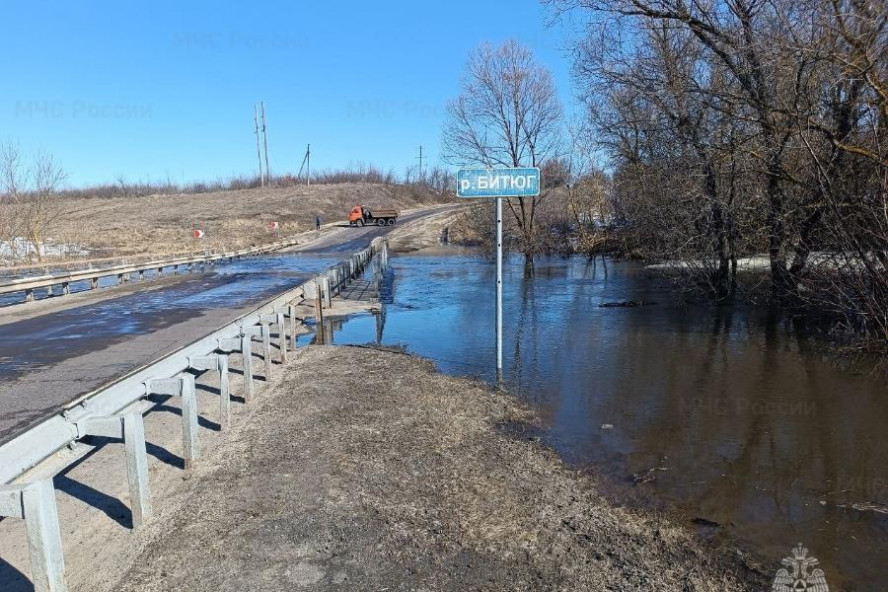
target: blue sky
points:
(156, 90)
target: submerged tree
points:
(741, 127)
(506, 115)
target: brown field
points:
(162, 224)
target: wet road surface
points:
(50, 359)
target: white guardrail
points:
(123, 271)
(29, 461)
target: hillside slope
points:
(160, 224)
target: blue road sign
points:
(517, 182)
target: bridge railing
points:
(28, 285)
(30, 460)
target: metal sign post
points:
(499, 290)
(498, 183)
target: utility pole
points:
(306, 164)
(420, 163)
(258, 147)
(265, 139)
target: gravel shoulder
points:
(365, 469)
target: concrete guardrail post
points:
(131, 428)
(266, 349)
(263, 331)
(35, 503)
(283, 330)
(243, 345)
(182, 386)
(247, 355)
(247, 335)
(217, 363)
(312, 291)
(272, 320)
(294, 323)
(324, 288)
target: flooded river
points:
(731, 416)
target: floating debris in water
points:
(626, 304)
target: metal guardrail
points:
(29, 284)
(30, 460)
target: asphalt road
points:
(342, 238)
(51, 358)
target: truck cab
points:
(358, 216)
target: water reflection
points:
(730, 413)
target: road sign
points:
(198, 233)
(498, 183)
(515, 182)
(275, 225)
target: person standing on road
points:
(317, 222)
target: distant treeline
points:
(436, 178)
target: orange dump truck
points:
(361, 215)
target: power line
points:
(420, 163)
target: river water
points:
(732, 417)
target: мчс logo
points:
(798, 578)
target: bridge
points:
(30, 459)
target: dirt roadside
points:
(365, 469)
(424, 236)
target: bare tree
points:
(757, 45)
(30, 195)
(846, 137)
(507, 114)
(741, 126)
(440, 180)
(12, 179)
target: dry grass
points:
(161, 224)
(367, 470)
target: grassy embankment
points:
(161, 224)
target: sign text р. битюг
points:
(516, 182)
